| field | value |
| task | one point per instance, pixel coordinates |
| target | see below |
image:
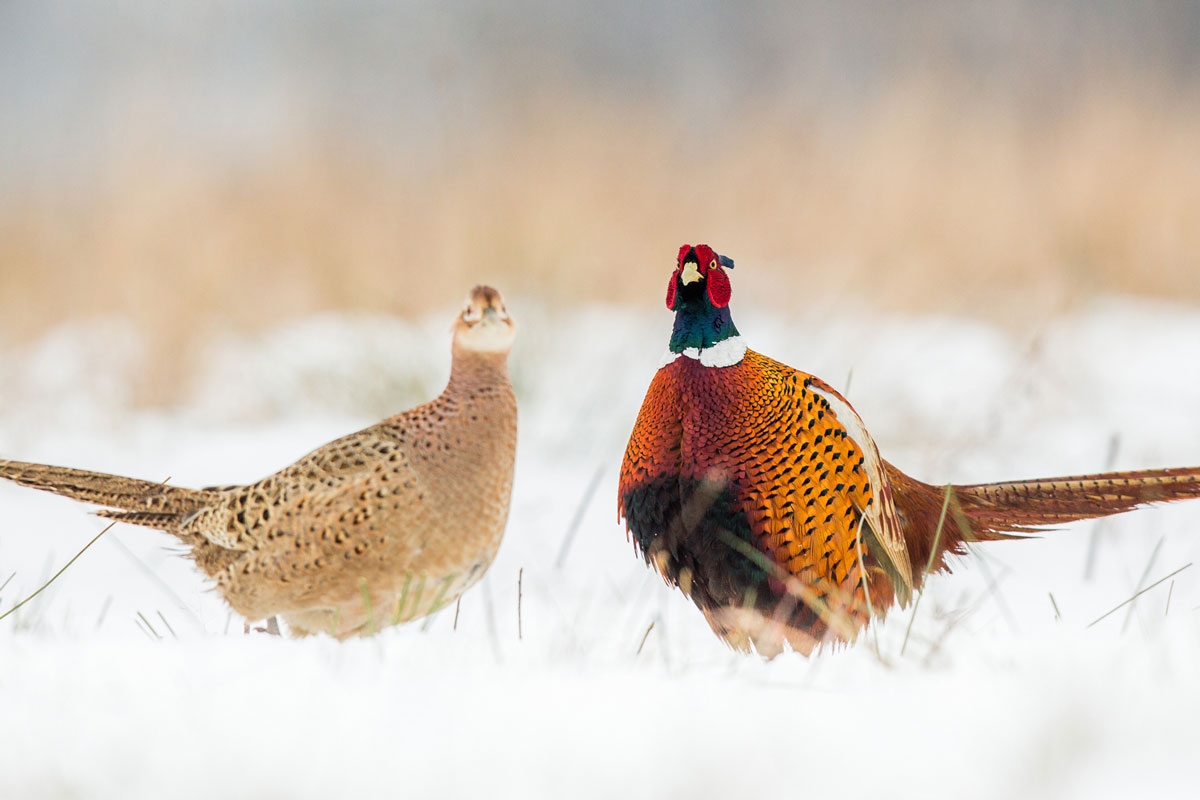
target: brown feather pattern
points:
(378, 527)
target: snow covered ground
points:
(127, 678)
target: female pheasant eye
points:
(471, 313)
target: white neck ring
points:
(724, 353)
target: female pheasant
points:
(756, 489)
(375, 528)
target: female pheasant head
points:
(484, 325)
(699, 295)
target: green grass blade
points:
(55, 576)
(937, 539)
(1138, 594)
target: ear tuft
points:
(718, 288)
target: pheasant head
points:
(484, 325)
(699, 294)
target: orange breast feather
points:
(753, 460)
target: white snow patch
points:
(995, 695)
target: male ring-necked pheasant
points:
(756, 489)
(375, 528)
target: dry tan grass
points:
(924, 200)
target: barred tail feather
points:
(1023, 506)
(136, 501)
(147, 519)
(990, 511)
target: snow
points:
(128, 678)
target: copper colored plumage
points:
(756, 490)
(375, 528)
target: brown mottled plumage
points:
(375, 528)
(756, 489)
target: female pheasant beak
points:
(484, 325)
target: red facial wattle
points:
(709, 266)
(719, 290)
(671, 289)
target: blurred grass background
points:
(229, 164)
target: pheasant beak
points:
(691, 273)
